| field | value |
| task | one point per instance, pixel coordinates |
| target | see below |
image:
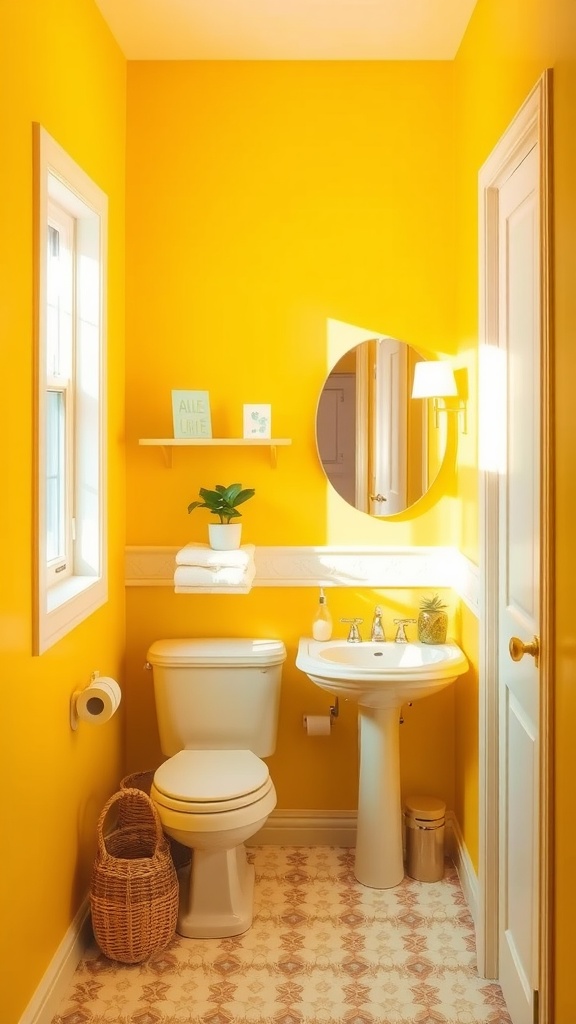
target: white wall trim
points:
(352, 566)
(466, 582)
(307, 828)
(57, 979)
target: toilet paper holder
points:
(96, 703)
(334, 712)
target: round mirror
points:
(377, 445)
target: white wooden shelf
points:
(168, 443)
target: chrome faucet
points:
(401, 637)
(354, 634)
(377, 632)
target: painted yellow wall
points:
(58, 66)
(506, 48)
(264, 203)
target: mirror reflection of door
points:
(336, 432)
(372, 439)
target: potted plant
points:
(223, 502)
(432, 621)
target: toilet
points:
(217, 703)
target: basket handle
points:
(140, 795)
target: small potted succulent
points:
(432, 621)
(223, 502)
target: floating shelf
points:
(167, 443)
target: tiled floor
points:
(322, 948)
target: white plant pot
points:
(224, 536)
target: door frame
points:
(531, 125)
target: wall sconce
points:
(435, 379)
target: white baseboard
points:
(57, 979)
(464, 867)
(307, 828)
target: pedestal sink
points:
(380, 677)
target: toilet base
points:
(216, 894)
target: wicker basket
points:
(130, 813)
(134, 889)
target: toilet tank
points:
(217, 694)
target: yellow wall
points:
(506, 48)
(265, 200)
(58, 66)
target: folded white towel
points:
(204, 555)
(198, 576)
(213, 590)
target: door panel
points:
(336, 432)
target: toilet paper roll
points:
(99, 701)
(317, 725)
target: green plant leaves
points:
(222, 501)
(432, 604)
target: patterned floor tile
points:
(322, 949)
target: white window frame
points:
(60, 604)
(60, 379)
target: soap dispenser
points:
(322, 625)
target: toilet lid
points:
(221, 651)
(210, 776)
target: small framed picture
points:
(191, 414)
(257, 421)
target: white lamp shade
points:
(434, 379)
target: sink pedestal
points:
(379, 861)
(380, 677)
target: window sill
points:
(60, 593)
(67, 604)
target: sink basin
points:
(380, 677)
(380, 674)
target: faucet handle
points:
(354, 634)
(401, 637)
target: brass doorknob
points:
(518, 649)
(377, 497)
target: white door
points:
(518, 585)
(514, 930)
(389, 427)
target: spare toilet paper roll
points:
(99, 701)
(317, 725)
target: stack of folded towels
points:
(199, 568)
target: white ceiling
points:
(288, 29)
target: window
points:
(70, 435)
(59, 387)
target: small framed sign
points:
(257, 421)
(191, 414)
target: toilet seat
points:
(211, 781)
